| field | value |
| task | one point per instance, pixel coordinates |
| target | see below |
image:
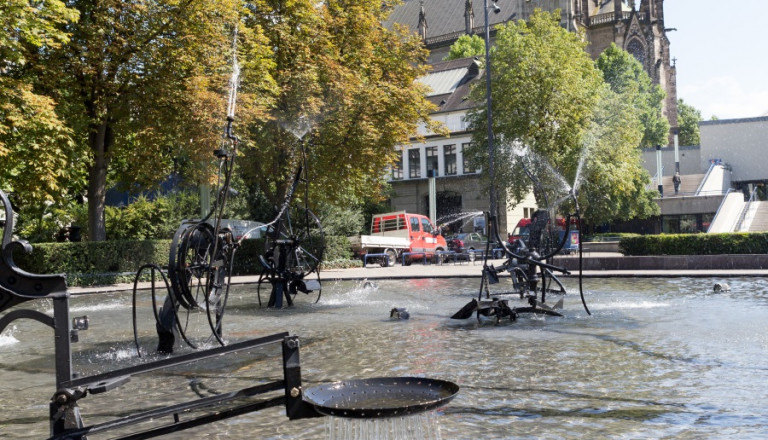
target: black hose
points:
(581, 259)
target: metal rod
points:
(178, 360)
(181, 408)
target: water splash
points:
(300, 127)
(6, 337)
(234, 81)
(544, 172)
(419, 426)
(464, 217)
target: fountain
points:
(639, 368)
(368, 398)
(528, 261)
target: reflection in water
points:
(665, 358)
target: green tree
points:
(627, 77)
(138, 83)
(544, 91)
(688, 118)
(351, 80)
(34, 142)
(615, 185)
(557, 123)
(466, 46)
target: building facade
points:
(635, 26)
(460, 197)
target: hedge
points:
(696, 244)
(110, 262)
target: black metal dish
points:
(380, 396)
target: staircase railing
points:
(706, 176)
(745, 210)
(719, 208)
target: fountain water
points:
(639, 369)
(460, 218)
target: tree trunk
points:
(100, 141)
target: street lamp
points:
(491, 171)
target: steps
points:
(689, 183)
(760, 220)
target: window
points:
(414, 163)
(468, 168)
(425, 225)
(397, 168)
(449, 159)
(432, 160)
(414, 224)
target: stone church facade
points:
(635, 26)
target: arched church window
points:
(637, 50)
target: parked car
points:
(466, 242)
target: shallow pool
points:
(665, 358)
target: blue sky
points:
(722, 55)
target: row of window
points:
(432, 161)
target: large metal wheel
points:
(199, 268)
(294, 246)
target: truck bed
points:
(378, 242)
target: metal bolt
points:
(292, 343)
(295, 392)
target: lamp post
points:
(491, 170)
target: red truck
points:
(395, 233)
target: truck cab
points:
(417, 228)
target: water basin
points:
(659, 358)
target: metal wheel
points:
(200, 281)
(390, 259)
(294, 246)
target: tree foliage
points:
(350, 81)
(139, 84)
(626, 76)
(688, 118)
(543, 91)
(557, 124)
(34, 142)
(466, 46)
(615, 186)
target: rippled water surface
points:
(664, 358)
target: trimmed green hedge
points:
(110, 262)
(695, 244)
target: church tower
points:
(638, 29)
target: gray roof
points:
(445, 18)
(450, 81)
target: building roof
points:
(734, 121)
(450, 82)
(446, 17)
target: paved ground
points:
(464, 270)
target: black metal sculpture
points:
(18, 286)
(528, 265)
(202, 254)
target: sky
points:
(722, 55)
